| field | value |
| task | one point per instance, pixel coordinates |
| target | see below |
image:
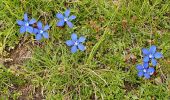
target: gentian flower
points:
(65, 18)
(76, 43)
(25, 24)
(144, 70)
(151, 54)
(40, 31)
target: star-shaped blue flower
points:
(144, 70)
(40, 31)
(76, 43)
(25, 24)
(151, 54)
(65, 18)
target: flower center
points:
(41, 31)
(150, 56)
(76, 43)
(144, 70)
(151, 73)
(65, 19)
(26, 24)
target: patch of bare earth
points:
(128, 86)
(30, 90)
(15, 59)
(21, 53)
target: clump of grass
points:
(114, 30)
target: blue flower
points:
(144, 70)
(40, 31)
(151, 54)
(25, 24)
(76, 43)
(65, 18)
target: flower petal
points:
(46, 27)
(29, 29)
(67, 12)
(72, 17)
(19, 22)
(147, 76)
(35, 30)
(152, 49)
(158, 55)
(45, 34)
(81, 47)
(59, 16)
(139, 67)
(25, 17)
(151, 70)
(140, 74)
(22, 29)
(38, 37)
(69, 43)
(69, 24)
(145, 51)
(82, 39)
(146, 59)
(145, 64)
(73, 49)
(39, 25)
(154, 62)
(32, 21)
(60, 23)
(74, 37)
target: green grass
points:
(114, 30)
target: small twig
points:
(164, 77)
(9, 85)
